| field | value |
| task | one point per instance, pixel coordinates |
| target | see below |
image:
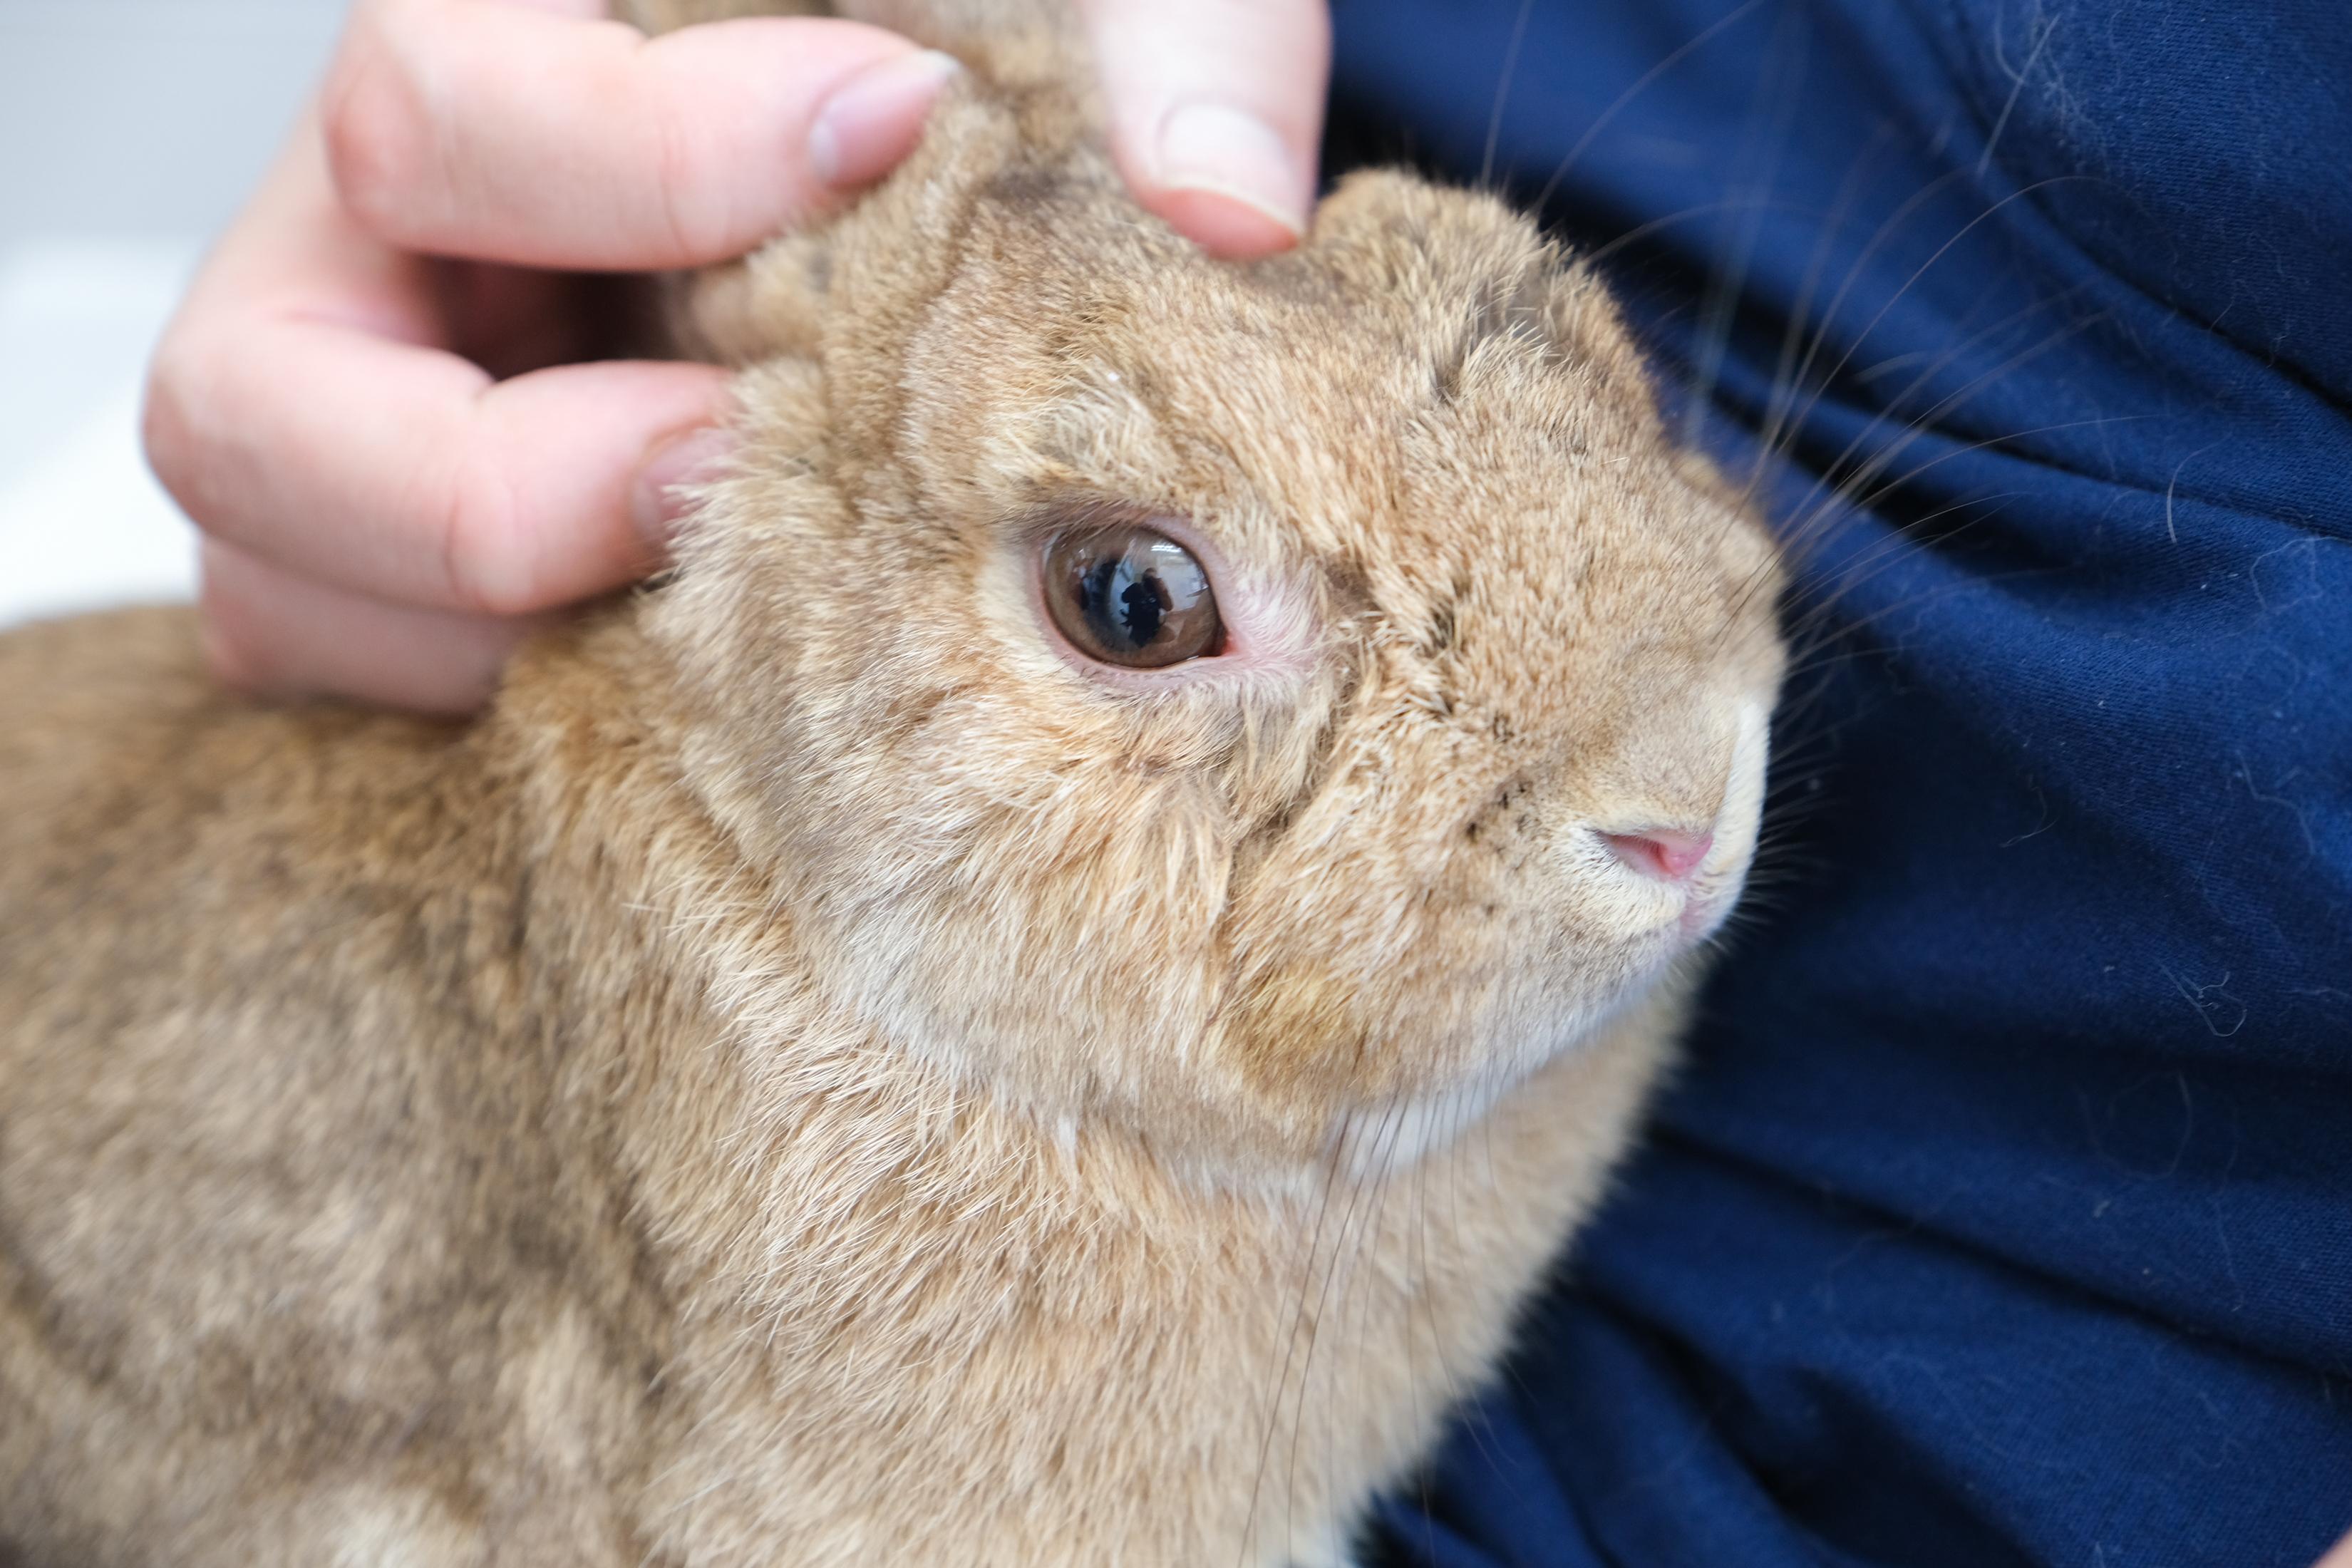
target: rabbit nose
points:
(1670, 853)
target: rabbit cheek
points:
(1368, 985)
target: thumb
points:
(1217, 110)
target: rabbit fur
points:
(817, 1074)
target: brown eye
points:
(1130, 597)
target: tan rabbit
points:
(1042, 1000)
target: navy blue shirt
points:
(2005, 1213)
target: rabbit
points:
(1044, 998)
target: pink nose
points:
(1673, 852)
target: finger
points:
(301, 410)
(407, 474)
(276, 634)
(611, 150)
(1216, 110)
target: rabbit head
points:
(1218, 702)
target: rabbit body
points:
(818, 1074)
(419, 1147)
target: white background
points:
(130, 131)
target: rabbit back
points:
(279, 1220)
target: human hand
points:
(1216, 112)
(380, 401)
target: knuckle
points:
(693, 203)
(233, 649)
(482, 558)
(375, 124)
(171, 429)
(165, 430)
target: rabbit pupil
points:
(1142, 604)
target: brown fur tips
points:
(825, 1072)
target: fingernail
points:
(1218, 150)
(664, 493)
(874, 118)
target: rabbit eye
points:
(1130, 596)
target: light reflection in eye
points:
(1132, 597)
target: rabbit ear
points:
(1389, 236)
(769, 304)
(1515, 303)
(1582, 323)
(1384, 229)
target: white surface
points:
(129, 130)
(146, 117)
(82, 522)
